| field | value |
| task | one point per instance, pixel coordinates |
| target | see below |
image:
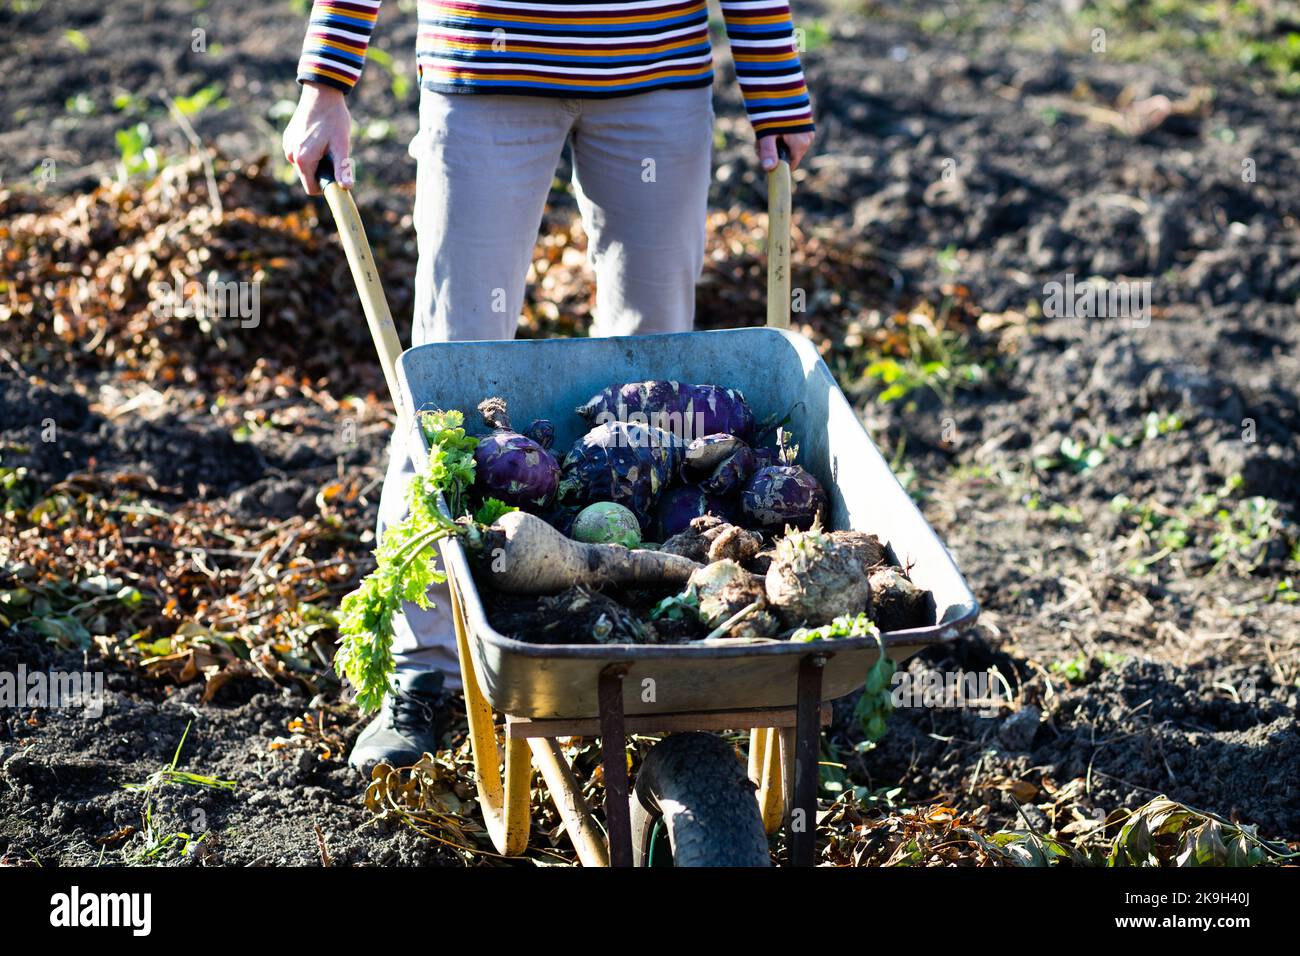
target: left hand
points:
(796, 143)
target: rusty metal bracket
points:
(807, 750)
(613, 753)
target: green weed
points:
(77, 40)
(136, 153)
(937, 359)
(158, 838)
(200, 100)
(1078, 456)
(399, 83)
(1233, 532)
(1085, 667)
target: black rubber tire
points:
(696, 786)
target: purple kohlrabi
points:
(719, 464)
(625, 463)
(511, 466)
(687, 411)
(542, 432)
(781, 495)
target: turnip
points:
(812, 580)
(723, 590)
(607, 523)
(511, 466)
(522, 554)
(897, 603)
(782, 495)
(865, 547)
(709, 538)
(688, 411)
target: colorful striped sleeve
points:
(761, 33)
(337, 36)
(576, 49)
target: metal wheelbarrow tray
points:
(778, 371)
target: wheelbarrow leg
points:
(807, 750)
(566, 794)
(613, 751)
(765, 771)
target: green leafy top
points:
(450, 469)
(842, 626)
(490, 510)
(677, 607)
(403, 571)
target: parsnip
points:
(522, 554)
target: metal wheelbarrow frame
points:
(777, 689)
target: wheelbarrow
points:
(693, 803)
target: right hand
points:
(321, 124)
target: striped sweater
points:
(557, 48)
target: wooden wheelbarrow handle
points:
(778, 242)
(364, 273)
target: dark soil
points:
(54, 435)
(64, 778)
(1118, 737)
(1139, 601)
(576, 616)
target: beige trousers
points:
(641, 172)
(486, 164)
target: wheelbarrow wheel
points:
(694, 805)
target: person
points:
(504, 87)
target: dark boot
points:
(409, 725)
